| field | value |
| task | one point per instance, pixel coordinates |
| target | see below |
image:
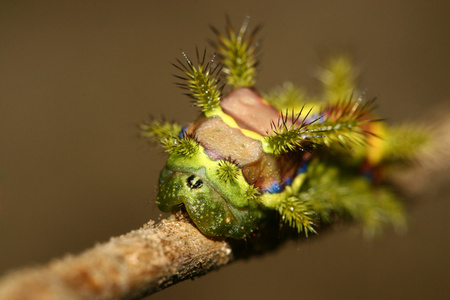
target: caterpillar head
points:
(214, 194)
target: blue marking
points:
(278, 188)
(303, 168)
(183, 131)
(274, 188)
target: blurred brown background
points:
(76, 77)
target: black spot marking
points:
(193, 182)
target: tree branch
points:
(130, 266)
(157, 256)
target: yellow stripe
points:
(230, 121)
(376, 144)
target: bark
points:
(130, 266)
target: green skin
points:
(218, 208)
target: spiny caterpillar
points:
(309, 159)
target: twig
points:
(156, 256)
(130, 266)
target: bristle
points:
(201, 81)
(291, 135)
(252, 192)
(156, 130)
(338, 76)
(286, 96)
(238, 54)
(405, 143)
(298, 214)
(341, 125)
(187, 146)
(227, 171)
(332, 193)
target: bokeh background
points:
(76, 77)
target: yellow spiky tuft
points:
(227, 171)
(298, 214)
(201, 81)
(338, 76)
(185, 147)
(156, 130)
(252, 193)
(238, 54)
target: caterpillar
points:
(248, 156)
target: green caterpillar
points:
(308, 159)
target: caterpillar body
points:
(247, 155)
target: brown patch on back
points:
(249, 111)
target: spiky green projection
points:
(167, 134)
(335, 126)
(341, 124)
(227, 171)
(402, 142)
(318, 163)
(289, 138)
(201, 81)
(286, 96)
(186, 146)
(331, 190)
(157, 130)
(238, 54)
(338, 76)
(298, 213)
